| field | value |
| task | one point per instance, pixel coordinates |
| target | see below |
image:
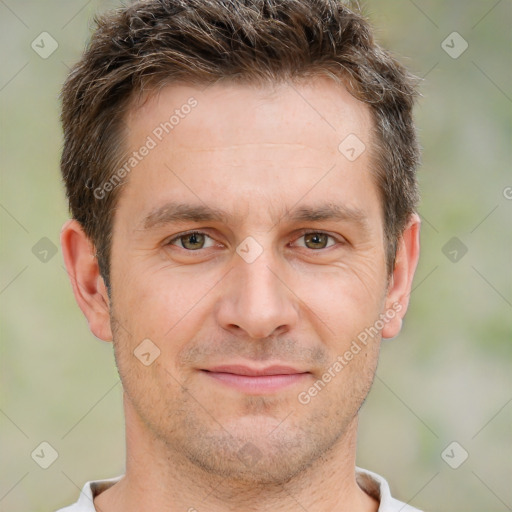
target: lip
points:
(256, 380)
(238, 369)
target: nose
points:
(256, 299)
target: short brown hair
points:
(152, 43)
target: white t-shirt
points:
(370, 482)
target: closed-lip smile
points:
(253, 380)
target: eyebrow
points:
(175, 212)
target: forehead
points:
(304, 111)
(244, 144)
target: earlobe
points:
(399, 290)
(88, 286)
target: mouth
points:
(251, 380)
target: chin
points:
(257, 450)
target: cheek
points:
(344, 301)
(161, 304)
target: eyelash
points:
(302, 234)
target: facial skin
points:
(259, 154)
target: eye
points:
(316, 240)
(196, 240)
(192, 241)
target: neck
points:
(160, 479)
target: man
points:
(241, 176)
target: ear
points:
(88, 285)
(399, 289)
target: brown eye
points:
(316, 240)
(193, 241)
(190, 241)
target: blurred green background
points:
(446, 378)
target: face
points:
(248, 252)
